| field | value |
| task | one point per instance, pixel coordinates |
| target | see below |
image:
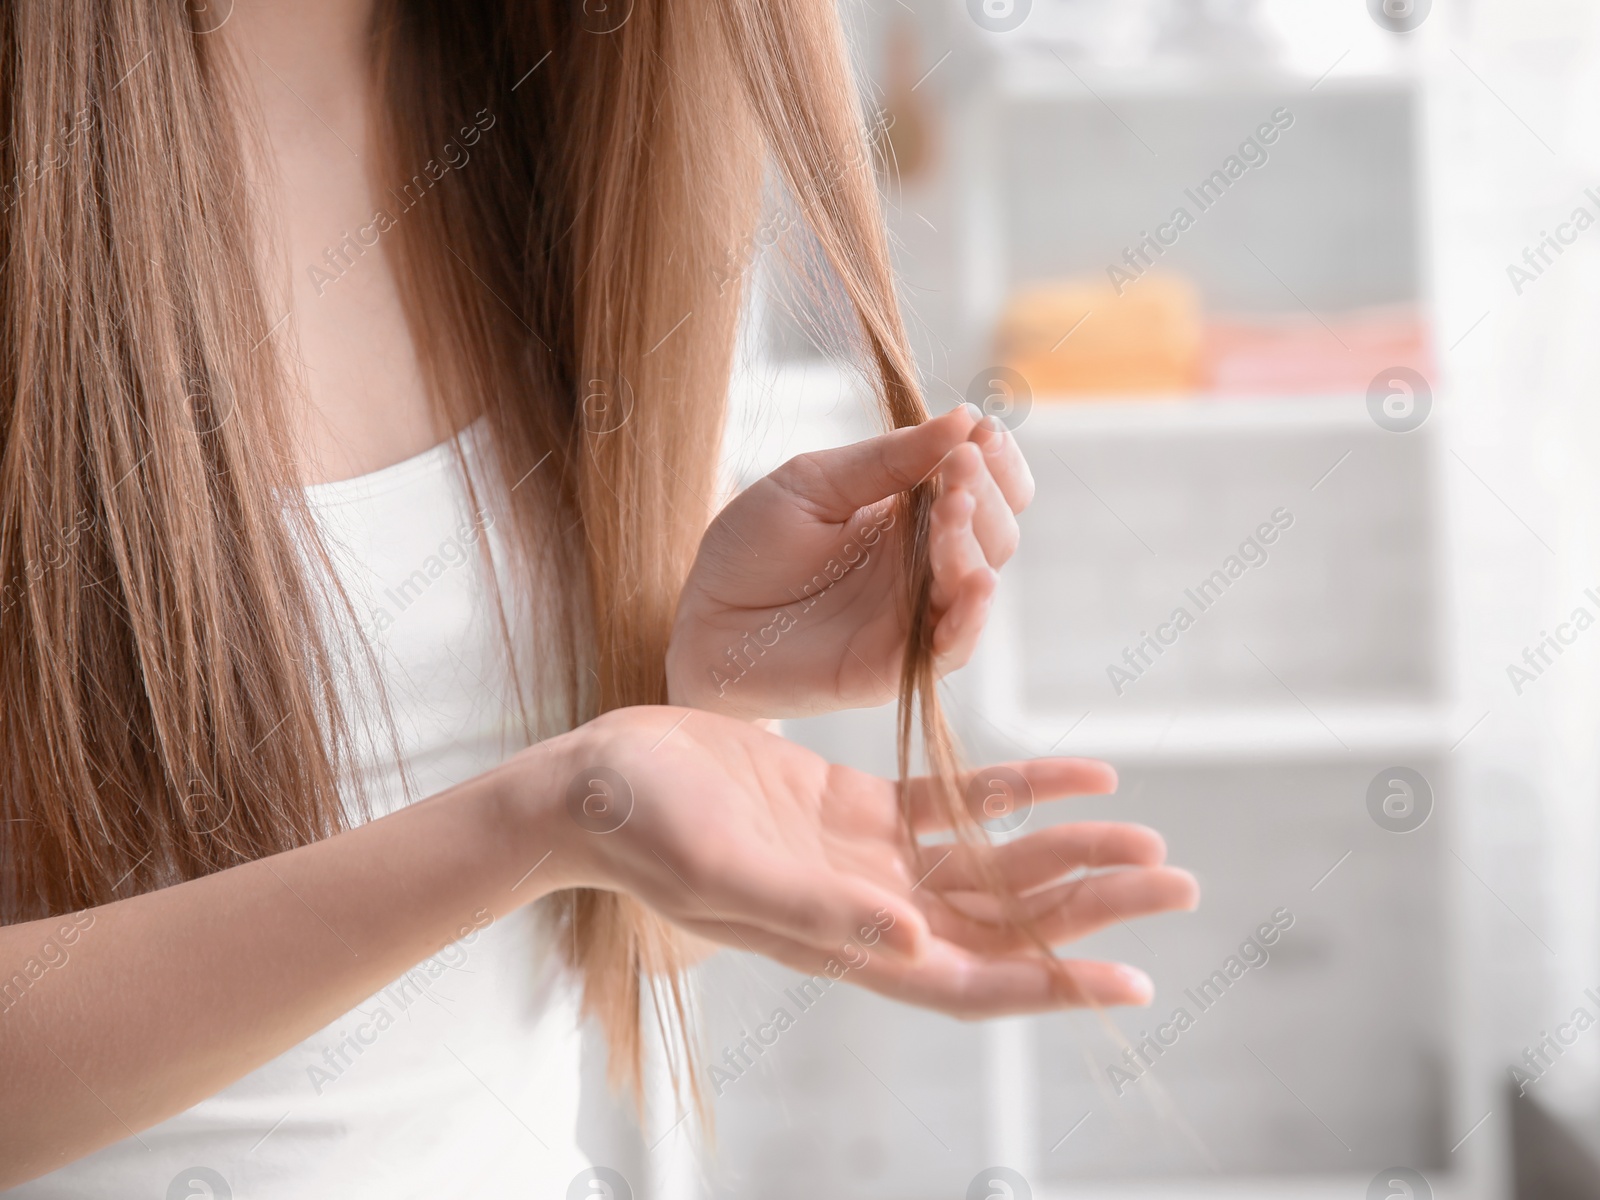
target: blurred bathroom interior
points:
(1291, 306)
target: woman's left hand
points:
(794, 605)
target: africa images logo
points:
(999, 1183)
(199, 1183)
(599, 1183)
(999, 16)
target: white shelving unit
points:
(1262, 734)
(1347, 1186)
(1303, 718)
(1196, 415)
(1285, 749)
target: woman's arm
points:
(163, 999)
(724, 829)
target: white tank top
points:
(461, 1078)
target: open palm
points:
(756, 843)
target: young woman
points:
(376, 681)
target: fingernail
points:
(974, 412)
(1138, 982)
(994, 424)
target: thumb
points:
(833, 484)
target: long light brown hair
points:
(170, 704)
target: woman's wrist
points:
(529, 799)
(557, 796)
(685, 688)
(692, 684)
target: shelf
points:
(1229, 734)
(1195, 414)
(822, 389)
(1248, 1187)
(1033, 74)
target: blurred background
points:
(1294, 307)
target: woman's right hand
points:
(752, 841)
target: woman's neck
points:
(309, 66)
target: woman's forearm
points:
(121, 1016)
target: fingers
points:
(1005, 462)
(833, 484)
(955, 637)
(1063, 912)
(993, 521)
(963, 582)
(1008, 787)
(953, 550)
(964, 579)
(967, 985)
(1040, 858)
(951, 979)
